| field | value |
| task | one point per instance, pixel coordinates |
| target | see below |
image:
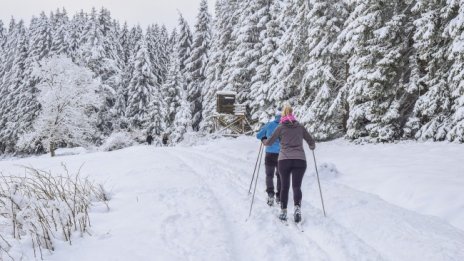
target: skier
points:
(149, 139)
(165, 139)
(292, 159)
(270, 160)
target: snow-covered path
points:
(191, 203)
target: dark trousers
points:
(296, 169)
(271, 163)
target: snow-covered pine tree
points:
(185, 42)
(158, 113)
(140, 89)
(156, 124)
(324, 71)
(164, 51)
(115, 36)
(158, 46)
(124, 41)
(60, 33)
(183, 120)
(2, 43)
(375, 37)
(172, 89)
(455, 31)
(288, 13)
(269, 36)
(99, 53)
(9, 53)
(153, 42)
(9, 49)
(135, 36)
(76, 31)
(110, 63)
(229, 28)
(245, 57)
(172, 41)
(219, 53)
(27, 105)
(14, 91)
(4, 55)
(68, 97)
(18, 112)
(157, 40)
(287, 81)
(119, 109)
(429, 74)
(3, 33)
(197, 62)
(40, 38)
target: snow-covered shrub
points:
(118, 140)
(29, 143)
(327, 171)
(41, 208)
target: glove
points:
(263, 140)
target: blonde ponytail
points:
(287, 110)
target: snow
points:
(226, 93)
(384, 202)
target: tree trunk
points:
(52, 149)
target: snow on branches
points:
(69, 98)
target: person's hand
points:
(264, 139)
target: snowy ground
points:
(384, 202)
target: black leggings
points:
(270, 161)
(296, 168)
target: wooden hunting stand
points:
(230, 117)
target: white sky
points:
(143, 12)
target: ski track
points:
(335, 241)
(207, 210)
(400, 234)
(268, 234)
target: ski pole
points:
(318, 182)
(256, 183)
(256, 164)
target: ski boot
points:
(283, 215)
(297, 214)
(270, 200)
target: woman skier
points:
(292, 159)
(270, 160)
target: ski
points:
(284, 222)
(299, 225)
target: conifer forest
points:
(365, 70)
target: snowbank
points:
(118, 140)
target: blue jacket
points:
(267, 131)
